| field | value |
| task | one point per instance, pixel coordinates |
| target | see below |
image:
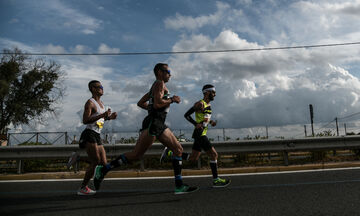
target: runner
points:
(203, 112)
(94, 117)
(157, 101)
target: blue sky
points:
(254, 88)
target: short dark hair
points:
(207, 86)
(158, 67)
(91, 83)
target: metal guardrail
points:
(43, 137)
(20, 153)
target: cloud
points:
(244, 2)
(253, 88)
(103, 48)
(57, 15)
(268, 87)
(11, 44)
(79, 71)
(50, 48)
(192, 23)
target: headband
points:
(209, 89)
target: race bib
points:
(100, 123)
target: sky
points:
(254, 89)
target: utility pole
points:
(267, 133)
(337, 127)
(305, 130)
(224, 134)
(345, 129)
(312, 118)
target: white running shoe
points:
(85, 191)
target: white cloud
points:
(50, 48)
(60, 16)
(191, 23)
(244, 2)
(11, 44)
(78, 49)
(103, 48)
(253, 88)
(269, 87)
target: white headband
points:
(209, 89)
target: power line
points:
(329, 123)
(354, 114)
(190, 52)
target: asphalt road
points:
(335, 192)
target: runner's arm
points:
(89, 106)
(159, 102)
(188, 116)
(198, 107)
(143, 102)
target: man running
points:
(94, 117)
(157, 101)
(203, 112)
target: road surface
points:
(335, 192)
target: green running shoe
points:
(98, 176)
(184, 189)
(219, 182)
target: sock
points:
(177, 162)
(185, 156)
(115, 163)
(213, 166)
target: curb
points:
(185, 172)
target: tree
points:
(29, 88)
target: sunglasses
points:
(165, 70)
(99, 87)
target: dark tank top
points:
(157, 112)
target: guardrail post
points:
(77, 165)
(20, 166)
(199, 163)
(8, 141)
(286, 158)
(142, 165)
(66, 138)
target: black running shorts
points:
(89, 136)
(202, 142)
(155, 124)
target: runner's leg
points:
(143, 143)
(213, 161)
(102, 152)
(169, 140)
(195, 155)
(94, 157)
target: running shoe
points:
(184, 189)
(74, 157)
(85, 191)
(98, 176)
(219, 182)
(165, 154)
